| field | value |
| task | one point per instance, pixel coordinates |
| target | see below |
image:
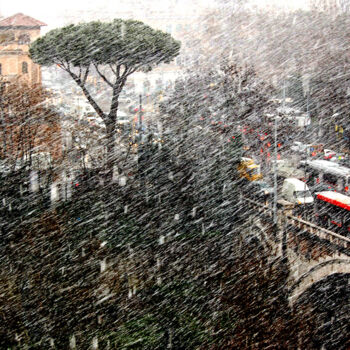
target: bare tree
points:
(28, 125)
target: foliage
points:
(114, 51)
(230, 96)
(123, 43)
(164, 262)
(201, 121)
(289, 49)
(27, 125)
(197, 290)
(142, 333)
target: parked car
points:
(300, 147)
(296, 146)
(296, 192)
(310, 149)
(328, 153)
(338, 158)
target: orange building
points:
(16, 34)
(27, 126)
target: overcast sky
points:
(55, 13)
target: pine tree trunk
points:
(110, 148)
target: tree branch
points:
(87, 94)
(112, 69)
(125, 73)
(102, 76)
(86, 74)
(61, 64)
(120, 81)
(133, 70)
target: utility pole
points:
(275, 176)
(140, 149)
(275, 159)
(140, 117)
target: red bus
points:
(332, 211)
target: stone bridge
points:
(313, 253)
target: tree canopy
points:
(113, 50)
(127, 43)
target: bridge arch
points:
(258, 232)
(316, 274)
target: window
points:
(178, 27)
(23, 39)
(24, 67)
(7, 37)
(301, 194)
(0, 69)
(330, 179)
(168, 28)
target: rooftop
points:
(335, 198)
(21, 20)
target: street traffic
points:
(315, 180)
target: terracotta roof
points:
(21, 20)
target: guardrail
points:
(285, 216)
(320, 232)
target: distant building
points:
(16, 34)
(28, 128)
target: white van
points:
(296, 191)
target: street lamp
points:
(140, 115)
(139, 91)
(275, 160)
(275, 175)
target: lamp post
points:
(139, 140)
(140, 115)
(275, 175)
(2, 113)
(275, 194)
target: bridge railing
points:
(285, 216)
(320, 232)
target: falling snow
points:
(176, 176)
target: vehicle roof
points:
(296, 182)
(331, 167)
(261, 182)
(336, 198)
(246, 159)
(252, 166)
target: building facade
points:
(16, 34)
(28, 126)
